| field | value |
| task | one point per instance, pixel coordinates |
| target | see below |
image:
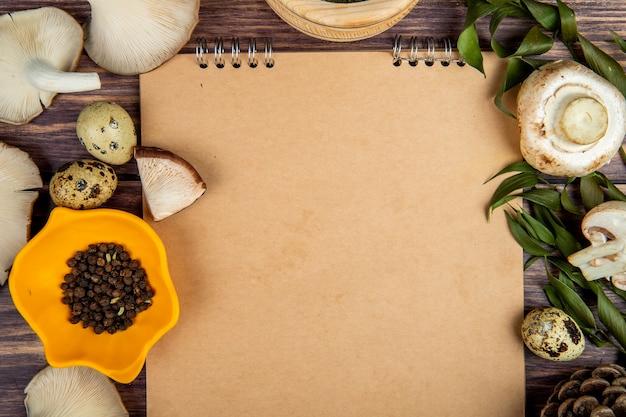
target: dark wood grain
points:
(51, 141)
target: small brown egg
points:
(550, 333)
(107, 131)
(83, 184)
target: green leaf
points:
(619, 41)
(513, 183)
(567, 203)
(573, 304)
(535, 228)
(517, 70)
(572, 272)
(527, 242)
(565, 242)
(610, 316)
(469, 48)
(619, 292)
(468, 43)
(531, 261)
(614, 192)
(603, 64)
(590, 192)
(569, 29)
(521, 166)
(546, 15)
(503, 11)
(534, 43)
(546, 197)
(553, 297)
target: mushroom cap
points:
(571, 120)
(169, 182)
(44, 37)
(606, 221)
(18, 174)
(145, 35)
(75, 391)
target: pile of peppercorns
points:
(105, 288)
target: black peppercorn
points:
(105, 288)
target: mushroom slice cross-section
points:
(75, 391)
(571, 120)
(41, 49)
(130, 37)
(19, 180)
(605, 227)
(169, 182)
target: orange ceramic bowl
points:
(37, 274)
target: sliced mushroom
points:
(131, 37)
(571, 120)
(40, 50)
(76, 391)
(605, 227)
(19, 179)
(169, 182)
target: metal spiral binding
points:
(202, 50)
(430, 57)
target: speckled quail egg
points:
(83, 184)
(552, 334)
(107, 131)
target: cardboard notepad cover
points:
(341, 262)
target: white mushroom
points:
(40, 49)
(169, 183)
(571, 120)
(605, 227)
(76, 391)
(18, 175)
(131, 37)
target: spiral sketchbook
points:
(341, 262)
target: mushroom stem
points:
(47, 78)
(584, 120)
(601, 261)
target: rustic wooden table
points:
(51, 141)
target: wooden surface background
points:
(51, 141)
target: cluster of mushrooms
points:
(572, 122)
(41, 48)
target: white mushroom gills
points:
(605, 227)
(75, 391)
(19, 184)
(169, 182)
(41, 49)
(130, 37)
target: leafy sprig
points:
(550, 23)
(542, 229)
(543, 225)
